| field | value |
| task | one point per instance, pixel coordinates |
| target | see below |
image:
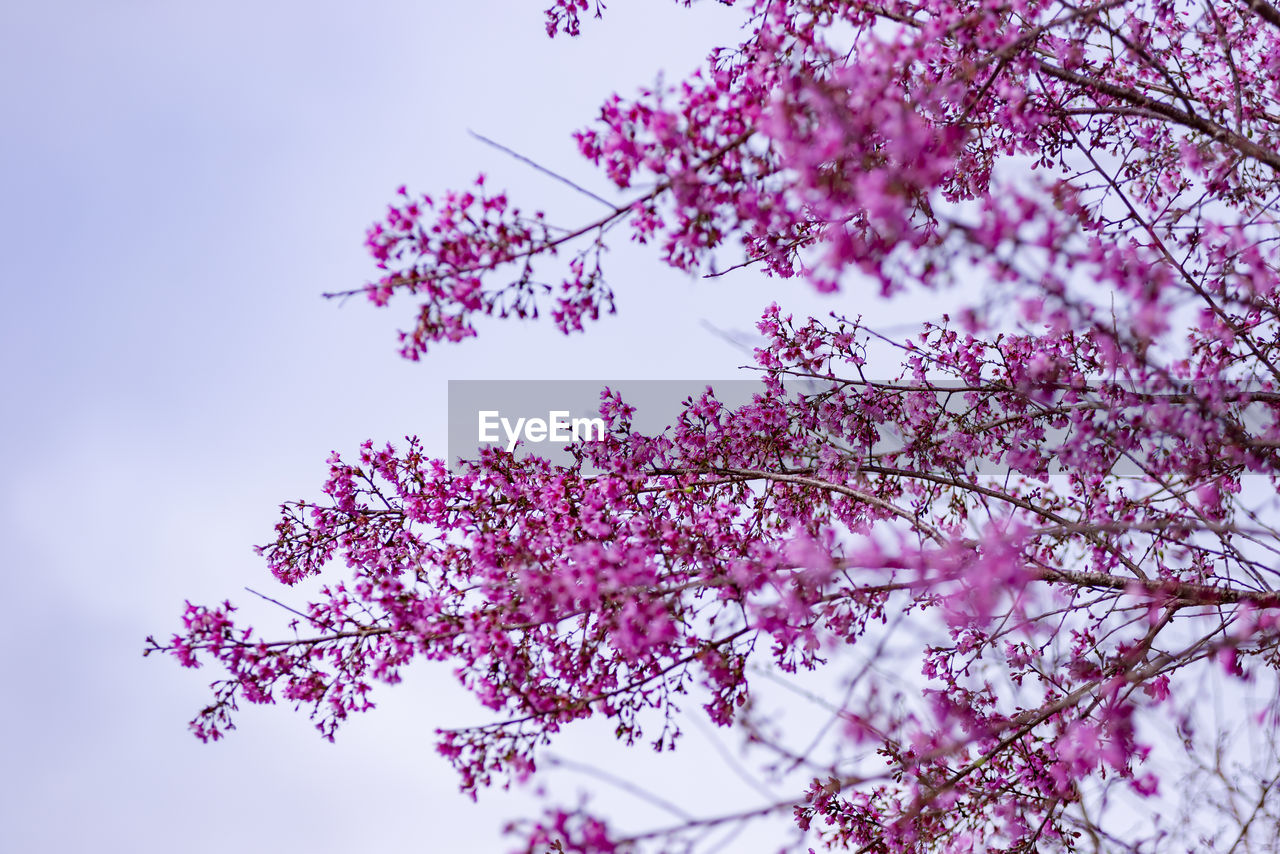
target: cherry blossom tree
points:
(1028, 550)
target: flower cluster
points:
(1060, 507)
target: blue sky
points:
(178, 184)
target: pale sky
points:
(178, 185)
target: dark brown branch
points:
(1240, 143)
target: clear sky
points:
(178, 184)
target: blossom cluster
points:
(1067, 489)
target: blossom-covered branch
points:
(1059, 505)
